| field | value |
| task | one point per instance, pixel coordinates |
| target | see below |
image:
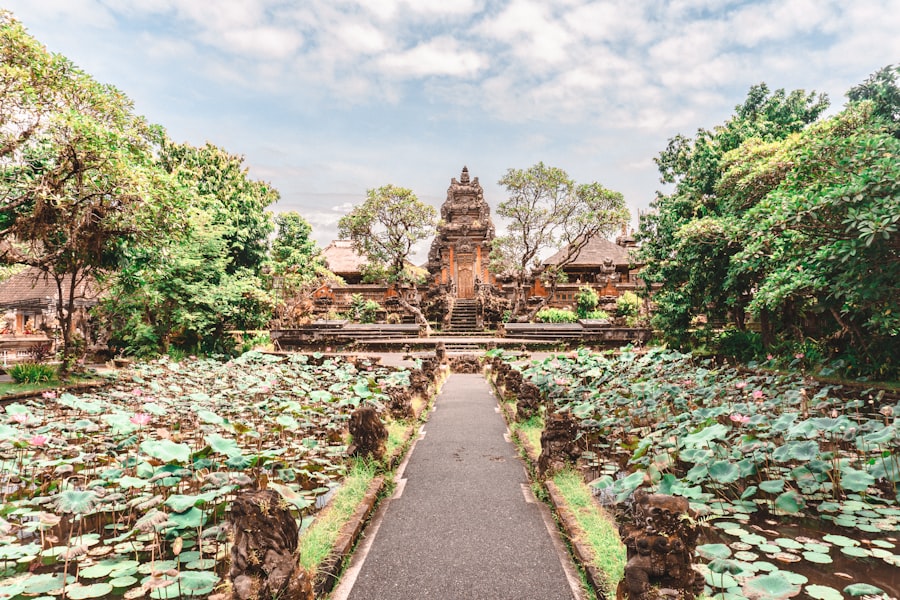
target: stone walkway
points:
(463, 523)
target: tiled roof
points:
(33, 289)
(594, 254)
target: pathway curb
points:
(584, 554)
(330, 569)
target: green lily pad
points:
(46, 582)
(855, 551)
(190, 518)
(790, 502)
(167, 450)
(80, 502)
(862, 589)
(840, 540)
(773, 586)
(197, 583)
(78, 591)
(819, 558)
(714, 551)
(724, 471)
(125, 581)
(788, 543)
(180, 503)
(720, 580)
(223, 445)
(823, 592)
(773, 486)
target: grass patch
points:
(531, 430)
(319, 539)
(597, 530)
(9, 387)
(396, 437)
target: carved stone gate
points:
(458, 259)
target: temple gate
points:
(458, 259)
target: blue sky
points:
(327, 98)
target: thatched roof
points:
(34, 289)
(594, 254)
(342, 259)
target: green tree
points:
(690, 237)
(822, 249)
(221, 187)
(293, 251)
(191, 288)
(77, 179)
(547, 210)
(385, 228)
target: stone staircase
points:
(463, 319)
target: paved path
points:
(462, 523)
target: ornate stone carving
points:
(465, 232)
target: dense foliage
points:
(190, 288)
(385, 229)
(749, 447)
(125, 489)
(77, 178)
(178, 235)
(789, 221)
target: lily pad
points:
(714, 551)
(167, 450)
(773, 586)
(823, 592)
(862, 589)
(78, 591)
(819, 558)
(840, 540)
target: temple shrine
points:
(458, 259)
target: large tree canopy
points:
(546, 210)
(77, 179)
(790, 220)
(189, 289)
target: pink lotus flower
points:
(560, 381)
(264, 389)
(38, 440)
(757, 395)
(799, 355)
(141, 419)
(740, 385)
(49, 395)
(834, 413)
(19, 418)
(770, 356)
(137, 392)
(739, 418)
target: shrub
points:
(596, 314)
(362, 310)
(555, 315)
(586, 301)
(743, 346)
(628, 305)
(32, 372)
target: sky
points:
(328, 98)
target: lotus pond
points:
(122, 492)
(797, 482)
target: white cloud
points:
(440, 56)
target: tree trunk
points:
(417, 313)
